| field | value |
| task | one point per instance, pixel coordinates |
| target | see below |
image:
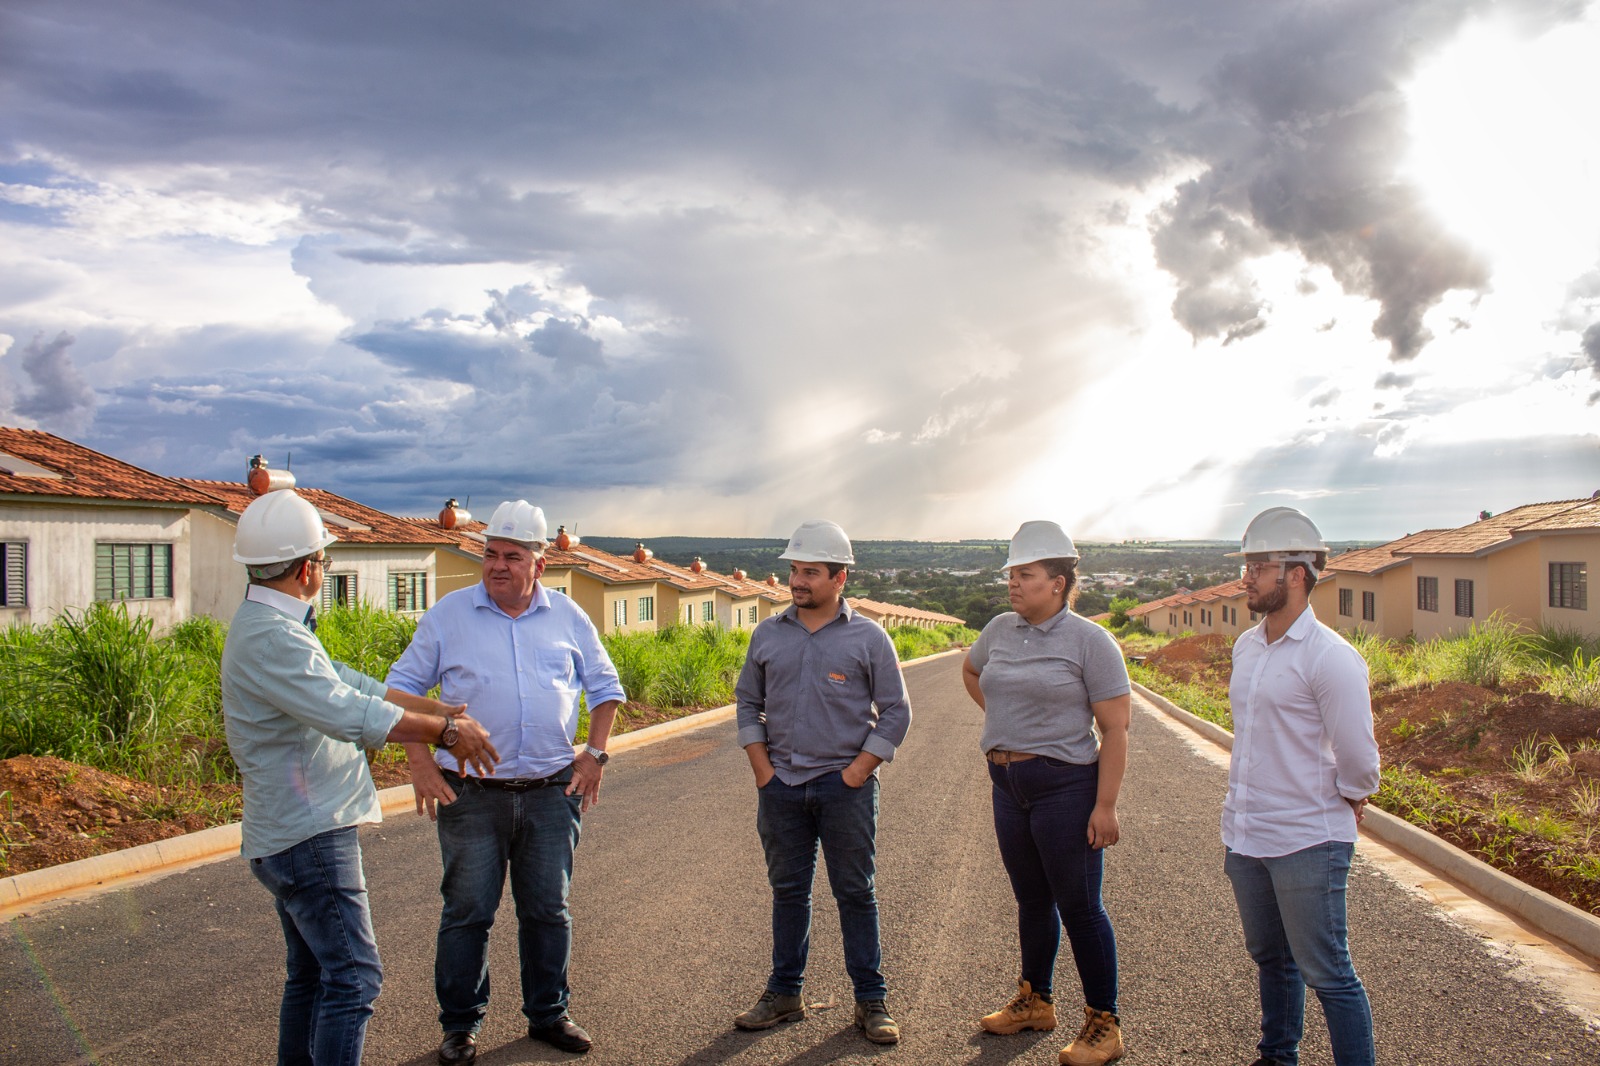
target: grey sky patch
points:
(55, 393)
(1391, 380)
(1591, 347)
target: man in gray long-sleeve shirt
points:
(821, 705)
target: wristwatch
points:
(600, 755)
(449, 735)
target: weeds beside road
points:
(1490, 741)
(112, 735)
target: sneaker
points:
(872, 1018)
(1099, 1041)
(771, 1009)
(1029, 1010)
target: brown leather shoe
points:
(459, 1047)
(563, 1034)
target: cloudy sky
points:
(928, 268)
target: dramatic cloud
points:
(719, 268)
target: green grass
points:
(680, 666)
(1199, 700)
(914, 642)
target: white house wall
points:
(61, 540)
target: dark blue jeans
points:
(1292, 909)
(1041, 819)
(482, 835)
(334, 975)
(793, 821)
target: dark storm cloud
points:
(1314, 136)
(1591, 347)
(54, 392)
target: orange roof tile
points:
(1586, 515)
(879, 607)
(351, 522)
(1490, 534)
(1376, 560)
(53, 466)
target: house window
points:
(647, 608)
(559, 588)
(13, 574)
(619, 613)
(338, 590)
(1427, 594)
(1369, 606)
(1172, 618)
(1253, 616)
(1347, 602)
(408, 591)
(752, 616)
(1463, 598)
(708, 611)
(1569, 586)
(132, 571)
(688, 615)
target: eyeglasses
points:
(321, 562)
(1257, 569)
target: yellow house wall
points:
(454, 572)
(1570, 548)
(61, 541)
(1430, 625)
(631, 593)
(216, 582)
(1328, 603)
(1515, 583)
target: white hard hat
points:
(1281, 530)
(519, 521)
(1039, 540)
(279, 528)
(819, 541)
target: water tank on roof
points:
(738, 575)
(565, 541)
(454, 515)
(263, 479)
(772, 579)
(697, 567)
(641, 554)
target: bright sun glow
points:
(1505, 147)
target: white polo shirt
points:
(1302, 740)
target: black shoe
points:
(563, 1034)
(459, 1047)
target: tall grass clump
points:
(1492, 651)
(1559, 644)
(914, 642)
(1385, 664)
(365, 637)
(679, 666)
(1196, 699)
(28, 724)
(1576, 681)
(104, 669)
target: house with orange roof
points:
(1216, 609)
(79, 527)
(889, 615)
(1371, 589)
(1531, 563)
(388, 562)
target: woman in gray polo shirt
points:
(1046, 678)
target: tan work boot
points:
(1029, 1010)
(872, 1018)
(1099, 1041)
(771, 1009)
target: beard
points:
(1274, 599)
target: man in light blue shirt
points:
(297, 725)
(521, 656)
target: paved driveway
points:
(671, 916)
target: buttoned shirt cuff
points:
(879, 746)
(752, 734)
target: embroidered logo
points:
(836, 677)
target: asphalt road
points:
(671, 917)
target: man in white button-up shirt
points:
(1304, 762)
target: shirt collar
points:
(278, 601)
(1048, 624)
(541, 598)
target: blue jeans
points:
(1041, 820)
(793, 820)
(482, 834)
(1292, 909)
(320, 892)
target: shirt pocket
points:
(557, 668)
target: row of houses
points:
(1530, 564)
(77, 527)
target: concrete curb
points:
(1548, 916)
(223, 841)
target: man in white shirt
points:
(1304, 762)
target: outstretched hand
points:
(472, 747)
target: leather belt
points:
(516, 784)
(1006, 758)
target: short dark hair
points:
(834, 568)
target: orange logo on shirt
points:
(836, 677)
